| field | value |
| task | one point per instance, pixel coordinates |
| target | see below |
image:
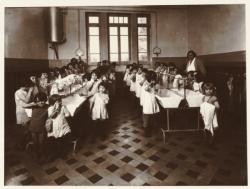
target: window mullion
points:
(119, 44)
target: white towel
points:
(209, 116)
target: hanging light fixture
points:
(79, 52)
(156, 49)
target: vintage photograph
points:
(135, 95)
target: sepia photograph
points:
(125, 95)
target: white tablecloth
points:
(71, 102)
(171, 98)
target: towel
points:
(209, 116)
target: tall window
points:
(143, 38)
(93, 32)
(119, 38)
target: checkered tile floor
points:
(126, 157)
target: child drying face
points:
(209, 92)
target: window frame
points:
(89, 14)
(118, 25)
(147, 25)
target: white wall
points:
(172, 31)
(216, 29)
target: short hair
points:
(73, 60)
(72, 64)
(191, 51)
(53, 98)
(208, 85)
(86, 76)
(151, 76)
(103, 84)
(41, 96)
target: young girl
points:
(138, 80)
(209, 109)
(37, 124)
(133, 80)
(98, 109)
(61, 129)
(197, 82)
(92, 85)
(22, 97)
(44, 83)
(149, 104)
(209, 91)
(178, 82)
(112, 82)
(128, 75)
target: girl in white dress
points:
(210, 98)
(60, 130)
(99, 112)
(138, 80)
(149, 103)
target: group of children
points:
(169, 76)
(97, 86)
(145, 84)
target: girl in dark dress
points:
(37, 124)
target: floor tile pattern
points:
(127, 157)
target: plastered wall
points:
(216, 29)
(25, 33)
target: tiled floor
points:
(126, 157)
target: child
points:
(149, 103)
(197, 82)
(138, 80)
(209, 109)
(178, 82)
(37, 124)
(99, 113)
(84, 91)
(44, 83)
(128, 77)
(23, 97)
(112, 81)
(190, 80)
(61, 129)
(143, 84)
(92, 85)
(133, 79)
(164, 76)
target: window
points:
(119, 38)
(143, 38)
(93, 32)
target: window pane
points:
(113, 31)
(124, 44)
(111, 19)
(93, 19)
(93, 30)
(124, 57)
(113, 41)
(143, 57)
(94, 45)
(115, 19)
(142, 20)
(142, 43)
(94, 57)
(113, 57)
(120, 19)
(125, 20)
(142, 30)
(124, 30)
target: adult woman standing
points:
(195, 64)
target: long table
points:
(72, 102)
(179, 119)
